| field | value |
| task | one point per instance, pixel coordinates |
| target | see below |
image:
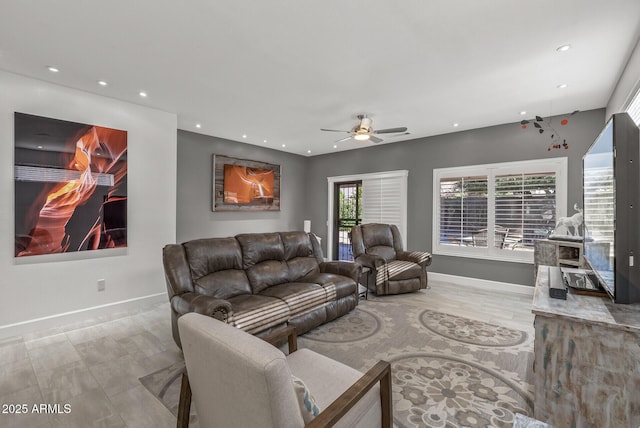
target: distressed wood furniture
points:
(550, 252)
(587, 359)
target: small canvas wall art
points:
(245, 185)
(70, 186)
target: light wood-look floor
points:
(94, 366)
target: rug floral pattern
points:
(447, 371)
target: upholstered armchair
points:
(236, 379)
(392, 270)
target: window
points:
(497, 211)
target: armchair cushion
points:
(377, 234)
(397, 270)
(313, 368)
(382, 251)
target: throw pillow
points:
(307, 403)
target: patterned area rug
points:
(448, 371)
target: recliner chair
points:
(392, 270)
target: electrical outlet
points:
(102, 284)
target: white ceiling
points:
(281, 70)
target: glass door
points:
(348, 213)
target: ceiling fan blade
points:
(333, 130)
(344, 139)
(391, 130)
(374, 139)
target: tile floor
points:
(93, 367)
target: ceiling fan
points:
(363, 131)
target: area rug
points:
(448, 371)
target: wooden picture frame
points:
(245, 185)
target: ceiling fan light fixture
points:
(361, 137)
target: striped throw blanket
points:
(391, 269)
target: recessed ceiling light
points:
(308, 151)
(244, 135)
(198, 126)
(562, 86)
(563, 48)
(53, 69)
(522, 113)
(102, 83)
(455, 125)
(39, 147)
(143, 94)
(264, 141)
(284, 145)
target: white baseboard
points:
(66, 318)
(483, 284)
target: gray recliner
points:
(392, 270)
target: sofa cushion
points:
(300, 267)
(223, 284)
(267, 274)
(216, 267)
(258, 247)
(296, 244)
(299, 297)
(336, 286)
(253, 313)
(211, 255)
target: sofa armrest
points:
(381, 372)
(201, 304)
(421, 258)
(350, 269)
(371, 261)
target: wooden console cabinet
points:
(586, 359)
(550, 252)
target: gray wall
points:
(195, 219)
(501, 143)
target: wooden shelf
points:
(550, 252)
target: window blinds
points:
(463, 209)
(384, 200)
(524, 208)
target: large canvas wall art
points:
(70, 186)
(245, 185)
